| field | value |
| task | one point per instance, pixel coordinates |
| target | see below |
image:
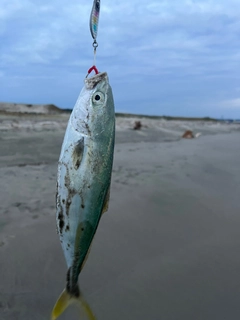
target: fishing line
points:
(93, 24)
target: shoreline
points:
(166, 249)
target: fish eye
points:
(98, 97)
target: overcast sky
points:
(175, 57)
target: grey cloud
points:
(187, 51)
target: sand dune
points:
(12, 108)
(165, 129)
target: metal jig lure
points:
(93, 23)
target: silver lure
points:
(94, 19)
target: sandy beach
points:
(167, 249)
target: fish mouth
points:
(90, 83)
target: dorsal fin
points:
(106, 201)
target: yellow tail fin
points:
(87, 309)
(62, 303)
(65, 300)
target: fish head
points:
(95, 106)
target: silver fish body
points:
(84, 173)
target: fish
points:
(84, 178)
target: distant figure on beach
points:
(137, 125)
(188, 134)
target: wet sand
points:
(168, 248)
